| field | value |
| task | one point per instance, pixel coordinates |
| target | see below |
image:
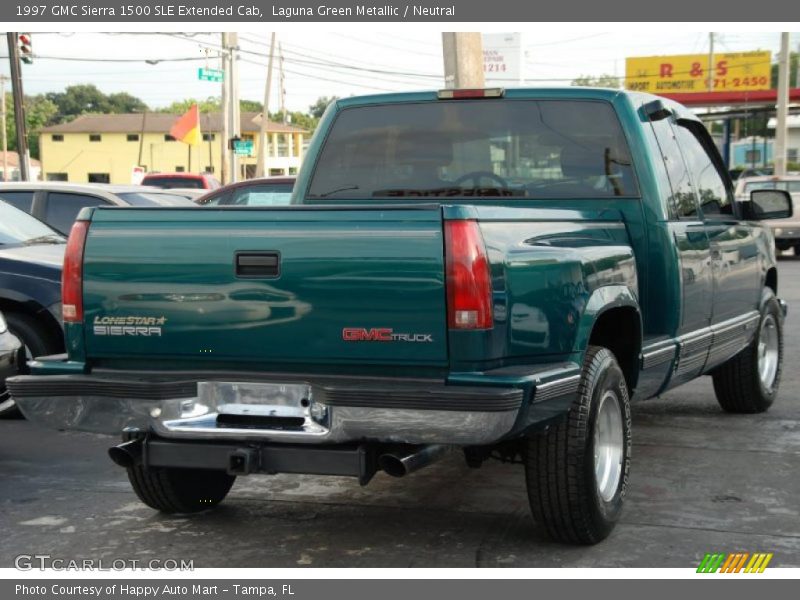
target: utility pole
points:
(711, 62)
(235, 108)
(261, 166)
(3, 125)
(797, 73)
(141, 138)
(463, 60)
(782, 109)
(19, 107)
(230, 106)
(283, 85)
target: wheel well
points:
(619, 330)
(38, 312)
(772, 279)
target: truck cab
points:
(495, 272)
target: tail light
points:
(72, 275)
(469, 283)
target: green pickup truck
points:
(494, 272)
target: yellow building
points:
(106, 148)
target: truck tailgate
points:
(267, 286)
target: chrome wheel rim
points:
(608, 446)
(768, 352)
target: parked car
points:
(31, 256)
(188, 193)
(202, 181)
(12, 357)
(755, 172)
(786, 231)
(492, 271)
(267, 191)
(57, 204)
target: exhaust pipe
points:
(128, 454)
(401, 462)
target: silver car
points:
(58, 203)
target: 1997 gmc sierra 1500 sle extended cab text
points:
(498, 271)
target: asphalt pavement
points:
(701, 481)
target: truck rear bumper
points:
(289, 409)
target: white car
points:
(786, 231)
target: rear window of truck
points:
(482, 148)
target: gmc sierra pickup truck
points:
(493, 271)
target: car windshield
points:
(787, 186)
(174, 182)
(478, 148)
(154, 199)
(273, 194)
(17, 227)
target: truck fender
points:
(628, 345)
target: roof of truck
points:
(520, 93)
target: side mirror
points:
(768, 204)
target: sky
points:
(339, 63)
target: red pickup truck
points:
(200, 181)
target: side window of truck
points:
(716, 200)
(682, 203)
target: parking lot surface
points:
(701, 481)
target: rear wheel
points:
(180, 490)
(577, 471)
(748, 382)
(36, 341)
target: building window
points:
(791, 154)
(276, 172)
(292, 170)
(57, 137)
(180, 169)
(95, 137)
(57, 177)
(133, 137)
(209, 169)
(168, 138)
(752, 156)
(209, 137)
(99, 178)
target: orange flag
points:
(187, 128)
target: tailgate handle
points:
(258, 264)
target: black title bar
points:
(338, 11)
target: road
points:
(702, 481)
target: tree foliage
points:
(39, 112)
(793, 57)
(317, 109)
(83, 99)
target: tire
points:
(180, 490)
(739, 384)
(568, 498)
(36, 341)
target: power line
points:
(310, 53)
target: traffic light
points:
(25, 48)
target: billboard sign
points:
(732, 71)
(502, 58)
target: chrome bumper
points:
(298, 412)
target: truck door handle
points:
(258, 264)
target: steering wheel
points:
(476, 176)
